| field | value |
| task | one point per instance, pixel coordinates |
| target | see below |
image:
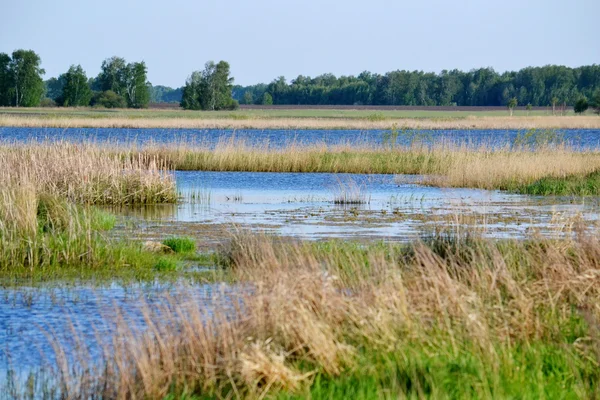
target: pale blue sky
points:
(263, 39)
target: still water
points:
(578, 138)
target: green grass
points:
(575, 185)
(165, 264)
(180, 244)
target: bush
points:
(46, 102)
(108, 99)
(581, 105)
(180, 244)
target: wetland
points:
(156, 263)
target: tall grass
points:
(86, 174)
(185, 120)
(444, 318)
(444, 164)
(46, 191)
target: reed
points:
(444, 318)
(441, 164)
(183, 121)
(46, 194)
(86, 174)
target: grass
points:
(348, 192)
(447, 317)
(289, 119)
(165, 264)
(574, 185)
(446, 165)
(49, 226)
(180, 244)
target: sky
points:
(264, 39)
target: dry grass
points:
(512, 170)
(443, 164)
(412, 322)
(471, 122)
(42, 190)
(85, 174)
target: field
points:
(298, 118)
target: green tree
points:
(528, 107)
(126, 80)
(210, 89)
(512, 103)
(191, 90)
(54, 87)
(267, 99)
(23, 79)
(112, 75)
(248, 98)
(581, 105)
(136, 85)
(5, 82)
(76, 91)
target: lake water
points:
(390, 208)
(578, 138)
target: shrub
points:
(581, 105)
(46, 102)
(108, 99)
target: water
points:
(394, 207)
(33, 319)
(579, 138)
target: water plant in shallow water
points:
(348, 192)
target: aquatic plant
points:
(348, 192)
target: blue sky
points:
(263, 39)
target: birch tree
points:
(76, 90)
(24, 79)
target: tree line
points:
(125, 84)
(550, 85)
(118, 85)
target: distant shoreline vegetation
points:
(121, 84)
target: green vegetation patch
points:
(180, 244)
(587, 185)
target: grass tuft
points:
(180, 244)
(165, 264)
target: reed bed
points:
(86, 174)
(251, 122)
(45, 194)
(441, 164)
(445, 317)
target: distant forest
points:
(125, 84)
(537, 86)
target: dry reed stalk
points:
(86, 174)
(470, 122)
(315, 308)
